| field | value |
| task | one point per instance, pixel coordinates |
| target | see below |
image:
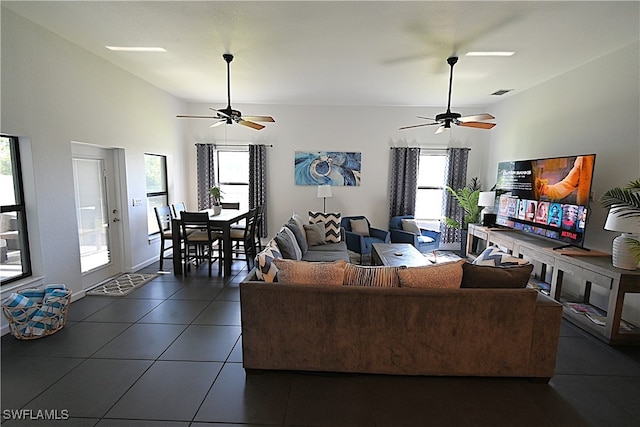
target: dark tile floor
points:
(169, 354)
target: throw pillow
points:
(374, 276)
(300, 236)
(288, 245)
(299, 221)
(411, 226)
(315, 233)
(310, 273)
(331, 222)
(494, 257)
(484, 276)
(442, 276)
(265, 268)
(360, 226)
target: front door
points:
(98, 213)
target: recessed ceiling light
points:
(496, 53)
(136, 49)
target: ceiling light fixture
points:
(495, 53)
(136, 49)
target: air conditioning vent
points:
(501, 92)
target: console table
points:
(589, 270)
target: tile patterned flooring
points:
(169, 354)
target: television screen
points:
(548, 197)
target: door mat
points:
(122, 285)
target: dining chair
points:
(230, 205)
(201, 240)
(177, 208)
(163, 216)
(243, 240)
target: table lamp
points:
(629, 226)
(324, 191)
(487, 199)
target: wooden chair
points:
(230, 205)
(201, 240)
(177, 208)
(163, 216)
(243, 240)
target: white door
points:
(98, 213)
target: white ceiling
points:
(342, 53)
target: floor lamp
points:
(629, 226)
(324, 191)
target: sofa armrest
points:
(546, 335)
(401, 236)
(355, 241)
(383, 235)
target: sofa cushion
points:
(310, 273)
(265, 268)
(331, 222)
(360, 226)
(484, 276)
(446, 275)
(327, 252)
(411, 226)
(300, 236)
(288, 244)
(494, 257)
(315, 233)
(374, 276)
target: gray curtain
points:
(403, 180)
(258, 183)
(456, 178)
(205, 173)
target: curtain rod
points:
(231, 145)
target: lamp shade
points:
(324, 191)
(487, 198)
(623, 224)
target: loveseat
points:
(319, 322)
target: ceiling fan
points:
(446, 119)
(228, 115)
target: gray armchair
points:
(426, 241)
(361, 243)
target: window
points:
(155, 170)
(430, 190)
(233, 176)
(15, 259)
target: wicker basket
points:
(38, 320)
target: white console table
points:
(589, 270)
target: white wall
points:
(53, 93)
(369, 130)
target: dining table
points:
(223, 221)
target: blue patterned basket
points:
(37, 313)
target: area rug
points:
(122, 285)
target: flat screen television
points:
(548, 197)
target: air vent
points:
(501, 92)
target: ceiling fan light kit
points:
(446, 119)
(228, 115)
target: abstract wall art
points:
(337, 168)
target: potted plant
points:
(626, 202)
(467, 198)
(216, 194)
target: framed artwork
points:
(337, 168)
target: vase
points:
(217, 209)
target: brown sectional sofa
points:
(469, 332)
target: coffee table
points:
(397, 255)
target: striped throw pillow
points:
(374, 276)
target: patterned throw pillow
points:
(331, 222)
(374, 276)
(310, 273)
(494, 257)
(265, 268)
(442, 276)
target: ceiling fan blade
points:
(222, 113)
(250, 124)
(476, 117)
(223, 121)
(426, 118)
(441, 129)
(417, 126)
(259, 118)
(182, 116)
(479, 125)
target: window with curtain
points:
(430, 190)
(15, 258)
(155, 171)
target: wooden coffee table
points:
(397, 254)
